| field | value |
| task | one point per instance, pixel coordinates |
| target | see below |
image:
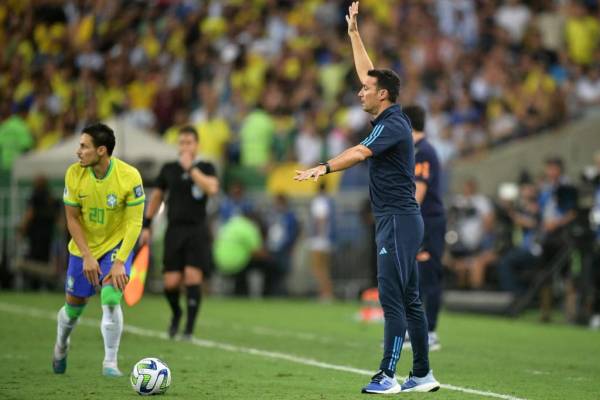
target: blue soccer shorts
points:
(77, 285)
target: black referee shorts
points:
(187, 245)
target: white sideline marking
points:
(536, 372)
(135, 330)
(281, 333)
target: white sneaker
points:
(424, 384)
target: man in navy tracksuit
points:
(399, 226)
(429, 196)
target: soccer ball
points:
(150, 376)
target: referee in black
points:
(186, 184)
(399, 226)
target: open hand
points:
(314, 173)
(91, 270)
(351, 17)
(118, 275)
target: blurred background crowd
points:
(270, 83)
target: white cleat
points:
(111, 370)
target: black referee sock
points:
(173, 299)
(194, 298)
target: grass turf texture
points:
(511, 357)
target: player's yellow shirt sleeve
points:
(70, 192)
(134, 214)
(136, 195)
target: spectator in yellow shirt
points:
(141, 94)
(111, 97)
(141, 91)
(213, 128)
(583, 35)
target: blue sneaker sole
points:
(374, 393)
(393, 390)
(427, 387)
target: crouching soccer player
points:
(104, 203)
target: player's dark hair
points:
(416, 115)
(189, 130)
(101, 135)
(388, 80)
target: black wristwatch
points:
(146, 222)
(327, 167)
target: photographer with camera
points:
(558, 204)
(591, 176)
(470, 236)
(524, 215)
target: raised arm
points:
(361, 59)
(208, 183)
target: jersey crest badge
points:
(138, 191)
(111, 200)
(70, 284)
(197, 193)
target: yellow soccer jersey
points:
(104, 206)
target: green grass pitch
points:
(250, 349)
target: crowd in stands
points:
(540, 233)
(272, 81)
(269, 81)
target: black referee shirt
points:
(186, 202)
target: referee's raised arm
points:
(361, 59)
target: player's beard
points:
(92, 163)
(368, 109)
